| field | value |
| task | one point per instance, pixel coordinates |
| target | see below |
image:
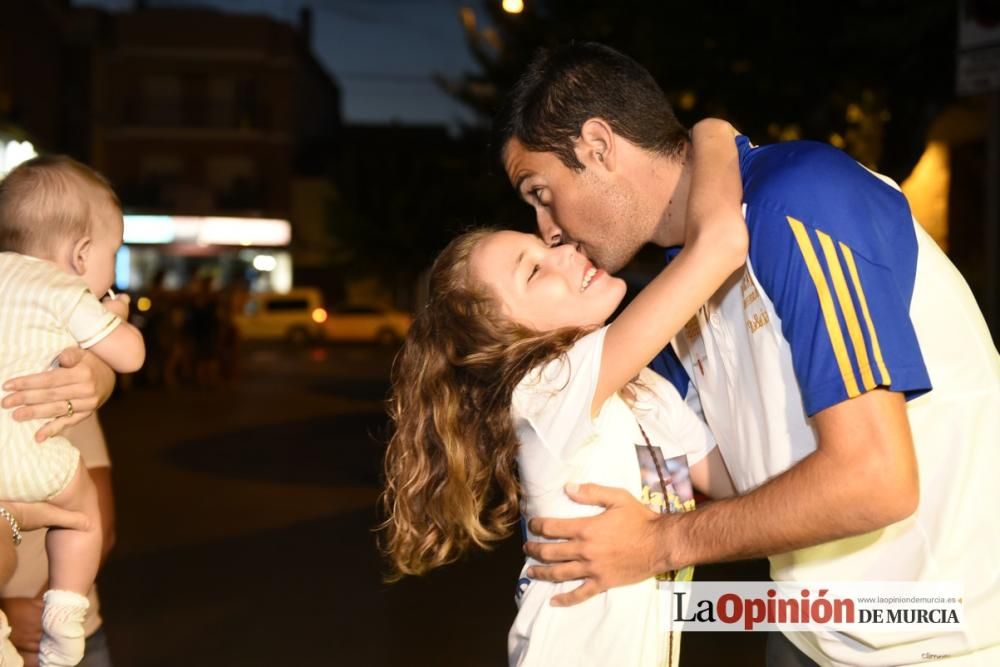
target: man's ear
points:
(80, 253)
(596, 145)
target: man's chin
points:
(613, 265)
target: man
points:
(846, 371)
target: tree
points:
(405, 191)
(865, 75)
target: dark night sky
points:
(382, 52)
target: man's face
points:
(594, 208)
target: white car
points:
(367, 324)
(296, 316)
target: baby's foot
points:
(62, 627)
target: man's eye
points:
(537, 194)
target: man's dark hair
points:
(565, 86)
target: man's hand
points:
(617, 547)
(82, 378)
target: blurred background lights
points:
(513, 6)
(13, 153)
(264, 262)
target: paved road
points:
(245, 532)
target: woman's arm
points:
(715, 245)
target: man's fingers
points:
(584, 591)
(552, 552)
(559, 573)
(556, 529)
(595, 494)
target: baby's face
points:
(106, 239)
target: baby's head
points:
(55, 208)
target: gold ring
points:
(69, 409)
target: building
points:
(190, 112)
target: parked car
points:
(367, 324)
(296, 316)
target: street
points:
(245, 532)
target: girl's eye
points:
(533, 272)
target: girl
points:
(509, 386)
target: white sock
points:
(62, 629)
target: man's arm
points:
(81, 378)
(862, 477)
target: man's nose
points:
(548, 230)
(563, 255)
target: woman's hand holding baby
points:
(81, 379)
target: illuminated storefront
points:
(186, 248)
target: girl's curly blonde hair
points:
(450, 468)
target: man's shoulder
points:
(824, 189)
(799, 174)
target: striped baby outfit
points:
(43, 311)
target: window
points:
(287, 305)
(162, 100)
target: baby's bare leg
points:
(74, 556)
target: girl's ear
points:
(80, 253)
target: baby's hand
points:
(118, 305)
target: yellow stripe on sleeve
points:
(876, 350)
(847, 308)
(826, 305)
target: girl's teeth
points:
(587, 277)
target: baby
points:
(60, 227)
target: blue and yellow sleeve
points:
(846, 318)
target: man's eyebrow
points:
(521, 178)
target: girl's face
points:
(545, 288)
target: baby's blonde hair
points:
(48, 199)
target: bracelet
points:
(14, 528)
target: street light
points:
(513, 6)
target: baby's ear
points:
(80, 253)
